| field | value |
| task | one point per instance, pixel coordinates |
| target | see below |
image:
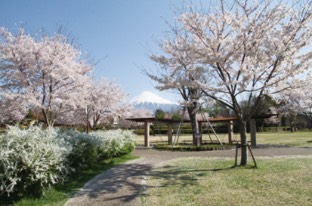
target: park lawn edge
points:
(166, 175)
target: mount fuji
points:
(152, 102)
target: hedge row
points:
(221, 129)
(188, 147)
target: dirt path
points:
(122, 185)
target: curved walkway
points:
(122, 185)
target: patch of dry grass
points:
(203, 181)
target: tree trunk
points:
(243, 136)
(293, 120)
(195, 127)
(47, 118)
(293, 127)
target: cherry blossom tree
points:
(11, 109)
(134, 113)
(305, 101)
(296, 101)
(180, 72)
(249, 49)
(45, 72)
(105, 99)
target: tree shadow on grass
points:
(173, 176)
(121, 184)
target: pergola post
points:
(146, 133)
(200, 132)
(230, 131)
(170, 133)
(253, 131)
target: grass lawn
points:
(58, 195)
(203, 181)
(298, 139)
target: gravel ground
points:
(122, 185)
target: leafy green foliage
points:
(176, 116)
(160, 114)
(188, 147)
(84, 149)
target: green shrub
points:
(84, 149)
(188, 147)
(139, 131)
(176, 117)
(160, 114)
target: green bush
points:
(188, 147)
(176, 117)
(84, 149)
(160, 114)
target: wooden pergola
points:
(229, 120)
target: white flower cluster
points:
(35, 158)
(113, 143)
(31, 157)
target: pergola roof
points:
(218, 119)
(153, 119)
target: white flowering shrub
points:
(84, 149)
(129, 142)
(114, 143)
(31, 160)
(34, 158)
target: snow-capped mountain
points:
(152, 102)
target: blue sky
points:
(118, 34)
